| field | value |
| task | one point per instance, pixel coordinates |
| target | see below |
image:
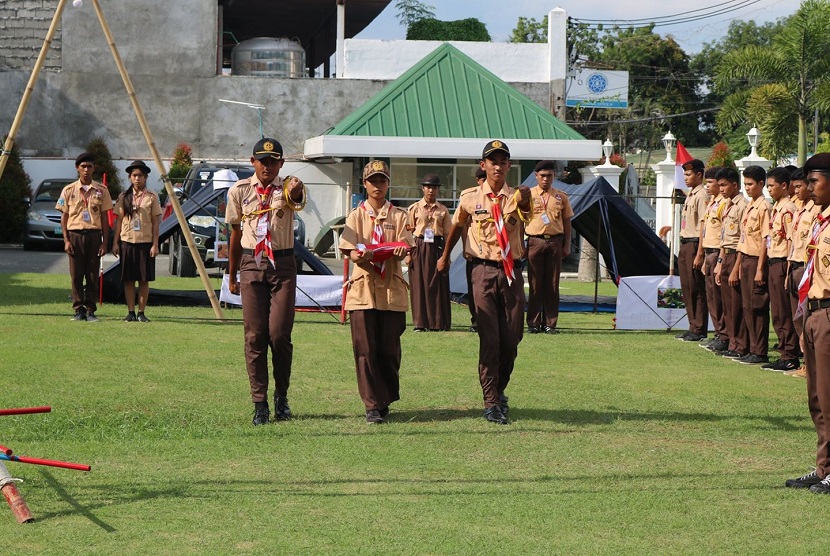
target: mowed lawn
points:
(619, 442)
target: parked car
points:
(204, 224)
(43, 222)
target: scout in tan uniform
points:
(815, 294)
(83, 205)
(692, 281)
(803, 220)
(496, 214)
(430, 222)
(137, 238)
(752, 262)
(710, 237)
(549, 241)
(261, 214)
(481, 179)
(377, 296)
(726, 268)
(778, 248)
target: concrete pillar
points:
(341, 37)
(610, 172)
(664, 172)
(557, 33)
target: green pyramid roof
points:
(448, 94)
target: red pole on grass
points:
(26, 410)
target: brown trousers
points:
(500, 312)
(376, 342)
(693, 285)
(733, 312)
(84, 267)
(795, 278)
(817, 362)
(544, 258)
(782, 316)
(714, 302)
(268, 300)
(429, 289)
(471, 304)
(755, 305)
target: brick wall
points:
(23, 26)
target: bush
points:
(179, 167)
(721, 156)
(103, 165)
(15, 187)
(469, 29)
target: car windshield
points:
(50, 190)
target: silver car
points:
(43, 222)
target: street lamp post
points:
(608, 150)
(669, 141)
(753, 136)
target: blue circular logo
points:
(597, 83)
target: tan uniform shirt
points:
(84, 208)
(482, 241)
(713, 222)
(820, 283)
(421, 216)
(139, 227)
(802, 228)
(243, 201)
(552, 205)
(366, 288)
(780, 228)
(754, 228)
(694, 211)
(733, 213)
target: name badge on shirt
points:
(85, 216)
(429, 235)
(262, 227)
(545, 219)
(136, 223)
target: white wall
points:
(386, 60)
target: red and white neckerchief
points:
(377, 232)
(782, 232)
(501, 235)
(263, 227)
(806, 280)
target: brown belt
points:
(277, 252)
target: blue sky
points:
(500, 16)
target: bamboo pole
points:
(168, 186)
(24, 102)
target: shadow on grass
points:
(25, 293)
(77, 507)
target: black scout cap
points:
(431, 180)
(494, 146)
(695, 165)
(545, 165)
(138, 165)
(820, 162)
(84, 157)
(268, 148)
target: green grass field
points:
(620, 442)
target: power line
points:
(640, 120)
(655, 18)
(721, 10)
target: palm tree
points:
(786, 82)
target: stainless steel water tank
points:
(268, 57)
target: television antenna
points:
(258, 107)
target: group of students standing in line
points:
(741, 259)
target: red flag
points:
(681, 158)
(110, 214)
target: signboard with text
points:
(591, 88)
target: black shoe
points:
(142, 318)
(505, 409)
(281, 410)
(692, 337)
(383, 411)
(495, 415)
(261, 413)
(79, 315)
(90, 317)
(821, 487)
(130, 317)
(805, 481)
(717, 345)
(550, 330)
(420, 329)
(752, 359)
(735, 355)
(473, 328)
(373, 417)
(533, 330)
(682, 336)
(781, 365)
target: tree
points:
(410, 11)
(15, 187)
(103, 165)
(430, 29)
(784, 83)
(528, 30)
(721, 156)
